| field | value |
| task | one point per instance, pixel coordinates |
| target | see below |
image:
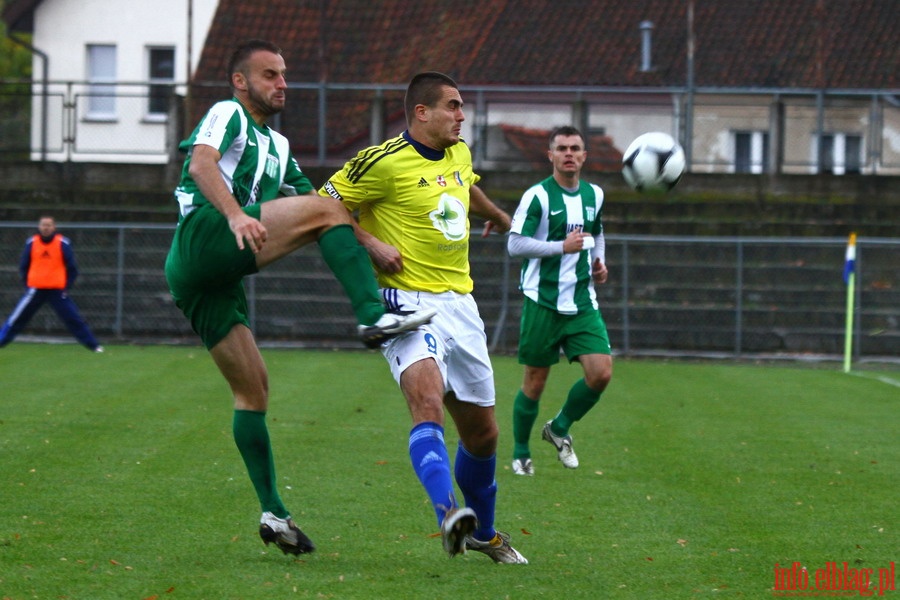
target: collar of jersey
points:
(425, 151)
(247, 114)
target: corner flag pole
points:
(850, 280)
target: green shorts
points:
(544, 332)
(205, 271)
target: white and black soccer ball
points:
(653, 162)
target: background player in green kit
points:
(557, 230)
(241, 210)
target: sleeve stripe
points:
(367, 159)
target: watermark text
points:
(834, 580)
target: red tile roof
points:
(738, 43)
(759, 43)
(850, 44)
(17, 14)
(532, 144)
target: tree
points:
(15, 91)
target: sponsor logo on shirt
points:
(450, 217)
(272, 166)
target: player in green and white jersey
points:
(241, 209)
(557, 230)
(414, 194)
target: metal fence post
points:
(739, 300)
(626, 342)
(120, 282)
(500, 327)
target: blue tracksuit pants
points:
(63, 305)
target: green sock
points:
(580, 400)
(252, 439)
(351, 265)
(525, 412)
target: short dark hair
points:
(565, 130)
(238, 59)
(425, 88)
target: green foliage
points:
(120, 480)
(15, 92)
(15, 60)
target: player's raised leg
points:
(295, 221)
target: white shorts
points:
(454, 338)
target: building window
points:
(162, 78)
(751, 152)
(101, 75)
(840, 153)
(853, 154)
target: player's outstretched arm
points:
(482, 206)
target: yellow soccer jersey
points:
(416, 199)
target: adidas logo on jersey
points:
(422, 183)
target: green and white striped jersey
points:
(256, 164)
(548, 213)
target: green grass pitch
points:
(119, 479)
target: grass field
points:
(120, 480)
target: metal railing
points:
(720, 296)
(763, 130)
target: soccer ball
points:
(654, 162)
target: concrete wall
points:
(702, 204)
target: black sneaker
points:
(563, 446)
(285, 534)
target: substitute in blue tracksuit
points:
(48, 269)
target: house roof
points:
(738, 43)
(838, 44)
(18, 14)
(808, 44)
(532, 144)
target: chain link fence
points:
(714, 296)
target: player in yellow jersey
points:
(414, 195)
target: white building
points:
(104, 71)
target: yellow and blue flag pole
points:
(850, 280)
